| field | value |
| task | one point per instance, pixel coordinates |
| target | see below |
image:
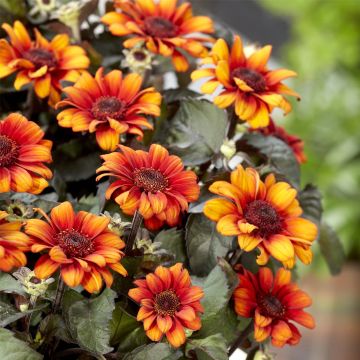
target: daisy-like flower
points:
(265, 215)
(168, 304)
(296, 144)
(109, 105)
(13, 244)
(43, 63)
(163, 27)
(138, 59)
(246, 82)
(81, 245)
(22, 154)
(273, 303)
(154, 183)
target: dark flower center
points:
(35, 280)
(9, 151)
(271, 306)
(74, 243)
(261, 214)
(41, 57)
(166, 303)
(109, 107)
(252, 78)
(160, 27)
(150, 180)
(139, 55)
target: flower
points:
(164, 27)
(246, 81)
(22, 154)
(109, 105)
(265, 215)
(40, 62)
(296, 144)
(13, 244)
(273, 304)
(138, 59)
(154, 183)
(81, 245)
(31, 284)
(168, 304)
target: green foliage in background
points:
(325, 51)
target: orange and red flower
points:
(265, 215)
(154, 183)
(168, 304)
(13, 244)
(273, 303)
(163, 27)
(81, 245)
(296, 144)
(109, 105)
(40, 62)
(22, 154)
(246, 81)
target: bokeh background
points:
(320, 40)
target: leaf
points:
(218, 288)
(172, 95)
(204, 244)
(16, 8)
(278, 153)
(9, 284)
(331, 248)
(173, 242)
(225, 319)
(310, 201)
(197, 131)
(122, 325)
(159, 351)
(211, 348)
(9, 314)
(12, 348)
(89, 321)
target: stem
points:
(235, 257)
(233, 120)
(28, 316)
(59, 295)
(135, 225)
(242, 336)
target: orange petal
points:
(301, 317)
(45, 267)
(164, 323)
(72, 274)
(215, 209)
(176, 335)
(63, 216)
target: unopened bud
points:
(228, 149)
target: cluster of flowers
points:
(264, 215)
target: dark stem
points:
(233, 120)
(242, 336)
(135, 225)
(235, 257)
(59, 295)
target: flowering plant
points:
(155, 222)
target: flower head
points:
(265, 215)
(30, 283)
(154, 183)
(22, 154)
(246, 81)
(273, 303)
(163, 27)
(168, 304)
(138, 59)
(296, 144)
(109, 105)
(81, 245)
(40, 62)
(13, 244)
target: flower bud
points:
(137, 59)
(228, 149)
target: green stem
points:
(135, 225)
